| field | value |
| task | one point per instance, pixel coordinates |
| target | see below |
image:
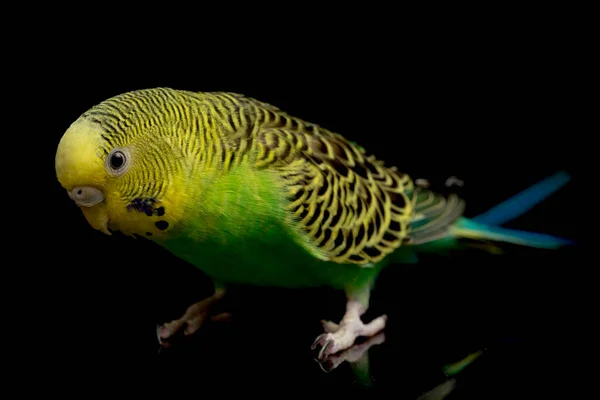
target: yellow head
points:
(120, 165)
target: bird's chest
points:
(243, 234)
(267, 256)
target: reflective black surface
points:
(511, 307)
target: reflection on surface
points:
(422, 352)
(439, 379)
(439, 392)
(358, 358)
(442, 390)
(457, 367)
(439, 312)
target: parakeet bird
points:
(252, 195)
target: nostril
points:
(86, 196)
(79, 193)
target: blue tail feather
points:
(524, 201)
(486, 225)
(470, 229)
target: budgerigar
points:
(252, 195)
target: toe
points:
(164, 332)
(169, 332)
(164, 336)
(330, 327)
(225, 316)
(193, 324)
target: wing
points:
(433, 215)
(346, 203)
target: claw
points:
(327, 344)
(158, 327)
(163, 343)
(345, 334)
(342, 337)
(167, 342)
(319, 341)
(325, 349)
(354, 355)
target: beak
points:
(97, 218)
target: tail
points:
(485, 226)
(524, 201)
(469, 229)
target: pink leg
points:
(342, 336)
(193, 318)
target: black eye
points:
(117, 160)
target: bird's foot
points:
(341, 336)
(192, 320)
(353, 354)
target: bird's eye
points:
(117, 161)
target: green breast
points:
(271, 259)
(240, 234)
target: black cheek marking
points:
(162, 225)
(160, 211)
(148, 233)
(142, 205)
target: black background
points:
(500, 110)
